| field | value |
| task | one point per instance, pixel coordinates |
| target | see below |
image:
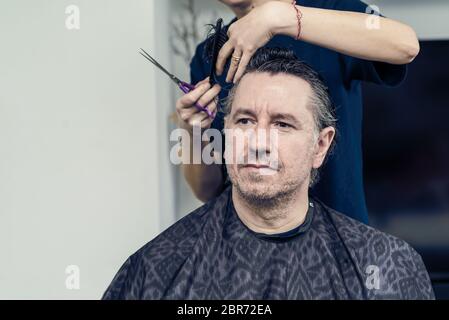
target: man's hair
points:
(284, 61)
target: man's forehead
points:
(279, 93)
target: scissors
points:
(184, 86)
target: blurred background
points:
(85, 176)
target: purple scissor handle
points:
(184, 86)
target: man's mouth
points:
(257, 166)
(263, 169)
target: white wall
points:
(84, 172)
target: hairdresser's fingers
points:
(235, 61)
(208, 99)
(189, 99)
(201, 82)
(202, 119)
(223, 55)
(209, 95)
(212, 107)
(186, 111)
(184, 114)
(242, 65)
(199, 119)
(205, 121)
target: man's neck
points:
(283, 217)
(241, 11)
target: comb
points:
(216, 38)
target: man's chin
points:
(259, 192)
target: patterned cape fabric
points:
(211, 254)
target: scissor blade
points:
(153, 61)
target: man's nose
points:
(260, 141)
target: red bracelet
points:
(299, 17)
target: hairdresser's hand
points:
(204, 95)
(246, 35)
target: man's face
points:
(276, 104)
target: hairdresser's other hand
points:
(246, 35)
(205, 96)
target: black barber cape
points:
(211, 254)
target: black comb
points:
(216, 38)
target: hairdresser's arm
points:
(350, 33)
(206, 181)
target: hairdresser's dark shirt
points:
(341, 183)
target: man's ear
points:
(323, 144)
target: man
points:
(264, 237)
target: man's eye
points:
(244, 121)
(283, 125)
